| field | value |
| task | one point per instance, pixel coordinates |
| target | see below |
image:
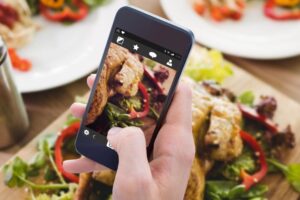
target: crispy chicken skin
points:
(122, 66)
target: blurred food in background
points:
(17, 26)
(238, 145)
(63, 10)
(220, 10)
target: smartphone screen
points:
(132, 87)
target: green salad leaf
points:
(290, 171)
(247, 98)
(18, 173)
(71, 119)
(69, 195)
(119, 118)
(233, 169)
(231, 190)
(207, 65)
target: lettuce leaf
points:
(207, 65)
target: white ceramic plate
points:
(254, 36)
(61, 54)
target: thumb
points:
(130, 145)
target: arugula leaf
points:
(61, 196)
(291, 172)
(247, 98)
(231, 190)
(119, 118)
(16, 175)
(50, 174)
(17, 168)
(47, 142)
(38, 161)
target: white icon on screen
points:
(120, 40)
(152, 54)
(170, 63)
(86, 132)
(136, 47)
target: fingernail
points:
(113, 131)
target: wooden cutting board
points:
(288, 113)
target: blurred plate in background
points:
(63, 53)
(254, 36)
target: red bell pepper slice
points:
(250, 180)
(68, 132)
(269, 10)
(17, 62)
(254, 115)
(67, 14)
(146, 106)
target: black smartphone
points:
(140, 68)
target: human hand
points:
(166, 176)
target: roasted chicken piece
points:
(105, 176)
(84, 181)
(196, 183)
(220, 140)
(223, 137)
(122, 66)
(201, 106)
(129, 76)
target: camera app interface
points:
(132, 86)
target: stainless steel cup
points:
(13, 117)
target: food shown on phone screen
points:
(131, 91)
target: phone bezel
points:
(158, 31)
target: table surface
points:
(44, 107)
